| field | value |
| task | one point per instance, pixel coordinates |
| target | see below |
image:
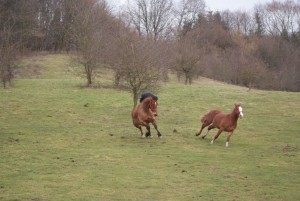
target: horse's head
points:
(153, 106)
(238, 110)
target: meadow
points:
(61, 141)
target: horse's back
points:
(210, 116)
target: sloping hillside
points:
(59, 141)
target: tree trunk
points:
(135, 99)
(88, 71)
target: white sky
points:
(214, 5)
(232, 5)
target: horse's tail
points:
(203, 119)
(210, 116)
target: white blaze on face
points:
(241, 112)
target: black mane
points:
(146, 95)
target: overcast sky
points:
(233, 5)
(214, 5)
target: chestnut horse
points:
(225, 122)
(207, 119)
(144, 114)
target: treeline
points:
(149, 38)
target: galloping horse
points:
(207, 119)
(144, 114)
(225, 122)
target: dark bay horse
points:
(144, 114)
(226, 122)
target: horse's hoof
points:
(142, 136)
(202, 137)
(211, 142)
(160, 137)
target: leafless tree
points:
(259, 28)
(138, 63)
(8, 55)
(280, 17)
(187, 59)
(244, 66)
(9, 41)
(90, 30)
(188, 11)
(151, 17)
(282, 60)
(239, 21)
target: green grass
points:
(55, 147)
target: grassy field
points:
(59, 141)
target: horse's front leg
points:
(216, 136)
(155, 126)
(142, 134)
(228, 138)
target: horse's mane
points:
(146, 95)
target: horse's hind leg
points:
(148, 133)
(204, 124)
(203, 136)
(208, 129)
(202, 127)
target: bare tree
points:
(258, 27)
(90, 31)
(188, 11)
(239, 21)
(8, 55)
(9, 41)
(187, 58)
(279, 17)
(151, 17)
(142, 71)
(243, 66)
(138, 63)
